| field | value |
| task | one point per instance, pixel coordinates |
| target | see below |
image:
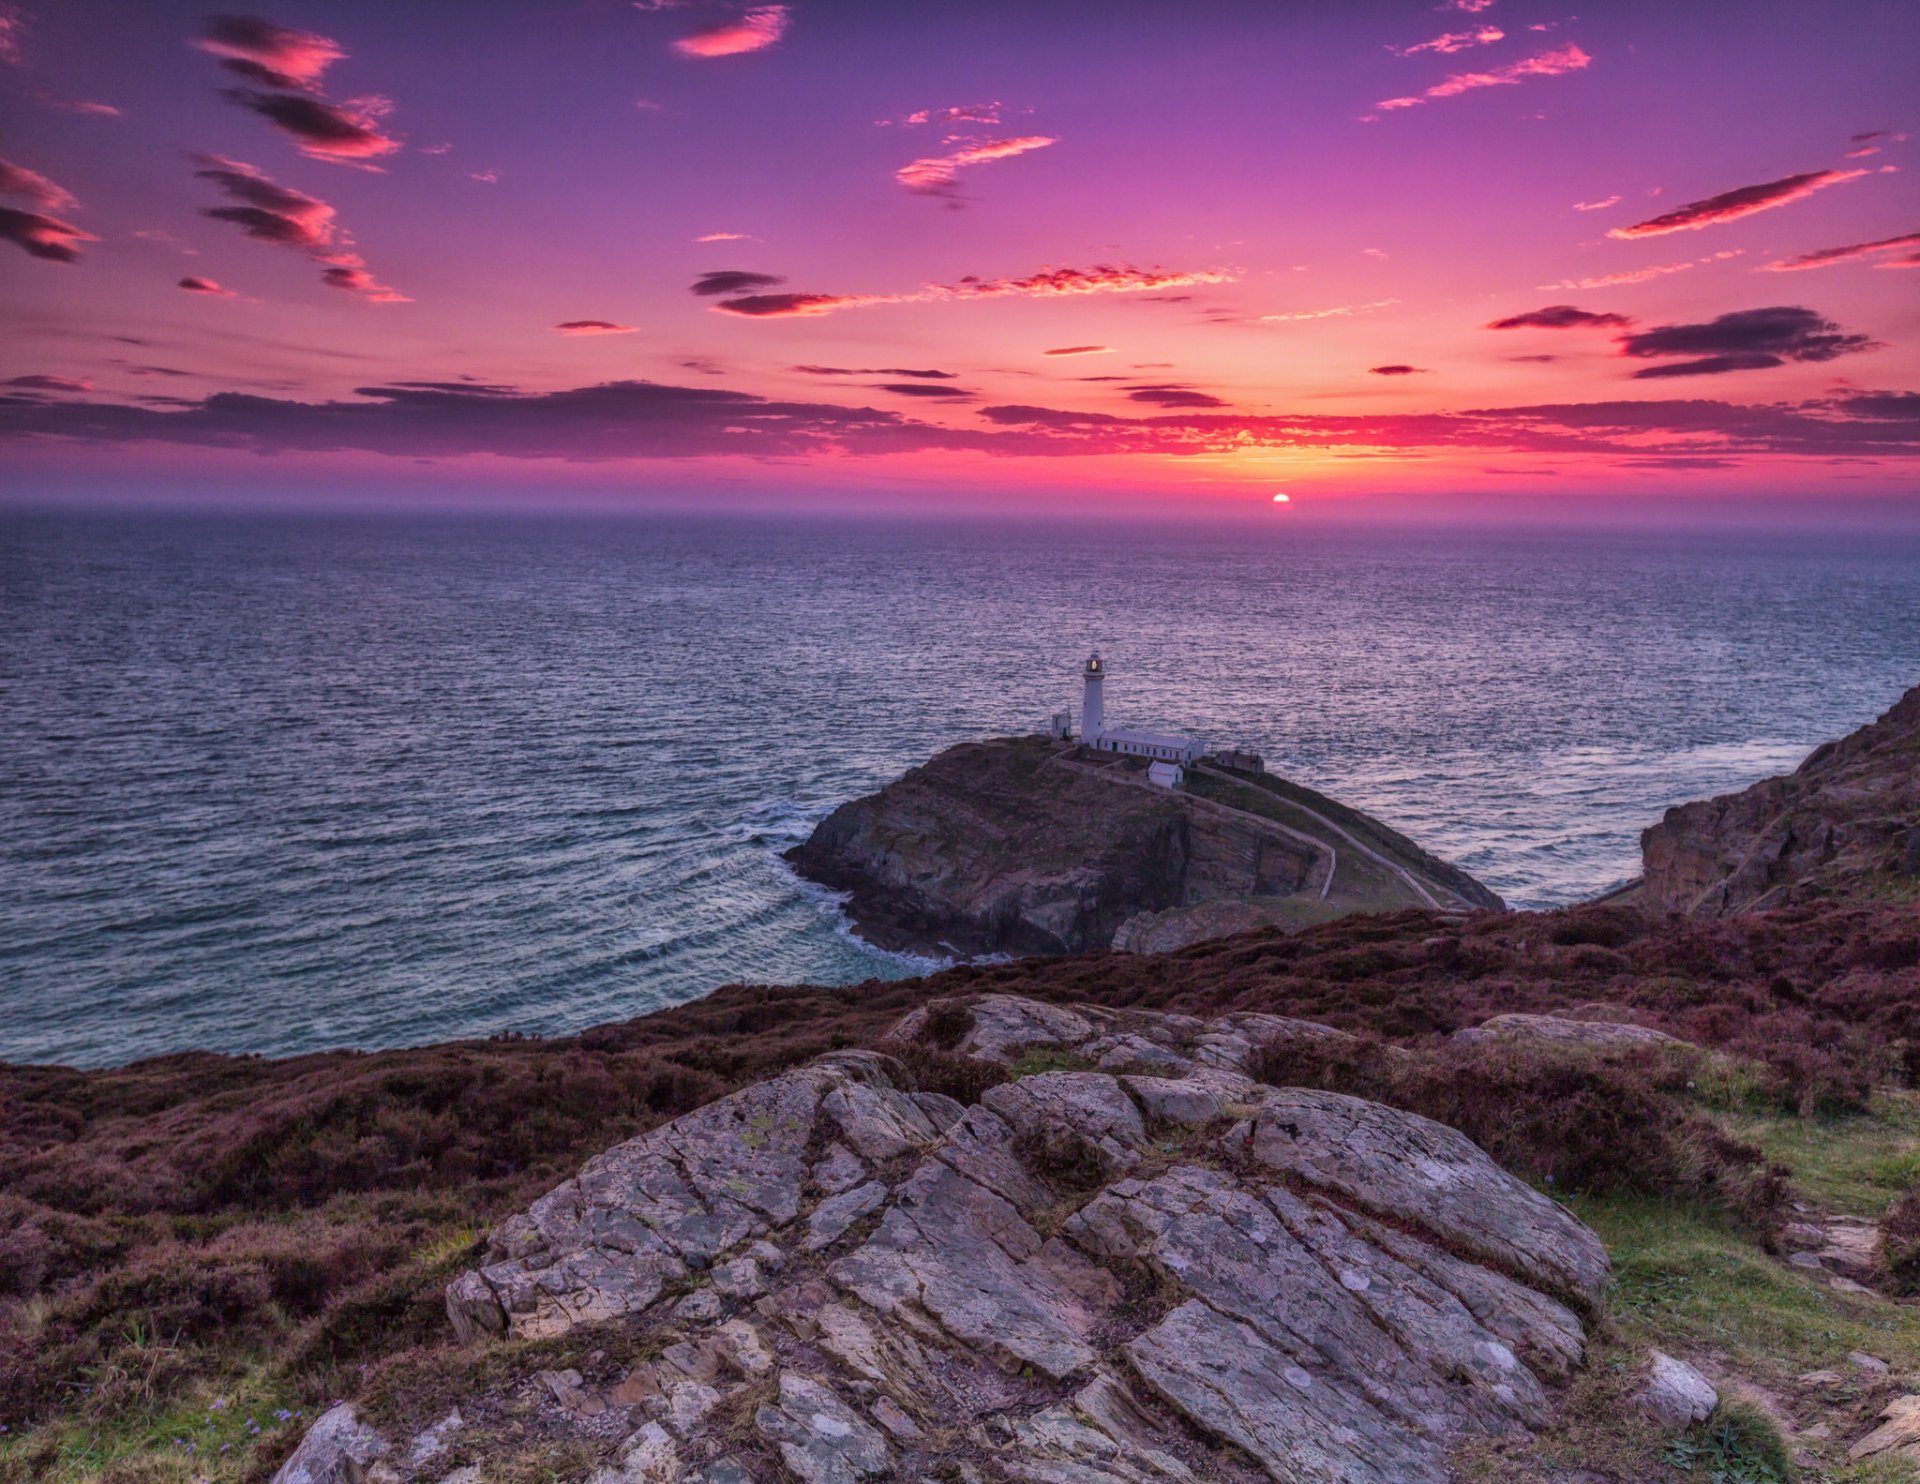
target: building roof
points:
(1147, 739)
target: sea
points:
(272, 783)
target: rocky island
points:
(1036, 845)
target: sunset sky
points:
(1057, 251)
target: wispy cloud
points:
(1731, 205)
(1079, 350)
(1596, 205)
(1636, 275)
(724, 237)
(1547, 64)
(1560, 317)
(31, 185)
(1173, 395)
(1101, 279)
(938, 175)
(197, 285)
(43, 383)
(800, 306)
(267, 53)
(962, 113)
(1827, 256)
(1339, 311)
(1398, 370)
(759, 28)
(924, 375)
(593, 327)
(1449, 42)
(13, 27)
(43, 236)
(269, 212)
(342, 132)
(1048, 283)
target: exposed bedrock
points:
(1145, 1266)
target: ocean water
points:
(276, 783)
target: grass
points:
(210, 1436)
(1854, 1166)
(1688, 1284)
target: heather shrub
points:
(948, 1023)
(962, 1078)
(1901, 1227)
(1576, 1120)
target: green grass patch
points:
(1857, 1166)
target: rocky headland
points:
(1844, 824)
(1030, 846)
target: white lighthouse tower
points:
(1092, 723)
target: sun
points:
(1283, 499)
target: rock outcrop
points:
(1023, 845)
(1140, 1265)
(1845, 824)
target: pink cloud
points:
(1449, 42)
(350, 273)
(593, 327)
(938, 174)
(759, 28)
(43, 236)
(270, 212)
(267, 211)
(13, 25)
(196, 285)
(1080, 350)
(1827, 256)
(963, 113)
(1048, 283)
(1546, 64)
(804, 306)
(268, 53)
(1732, 205)
(31, 185)
(1596, 205)
(1338, 312)
(1101, 279)
(343, 132)
(724, 237)
(1636, 275)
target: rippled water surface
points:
(274, 784)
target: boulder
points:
(1554, 1030)
(339, 1449)
(1169, 1273)
(1898, 1434)
(1676, 1395)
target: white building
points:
(1156, 747)
(1167, 775)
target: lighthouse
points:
(1091, 721)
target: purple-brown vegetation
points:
(305, 1213)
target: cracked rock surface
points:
(1140, 1266)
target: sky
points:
(1079, 254)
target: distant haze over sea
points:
(274, 784)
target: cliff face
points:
(1024, 845)
(1844, 825)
